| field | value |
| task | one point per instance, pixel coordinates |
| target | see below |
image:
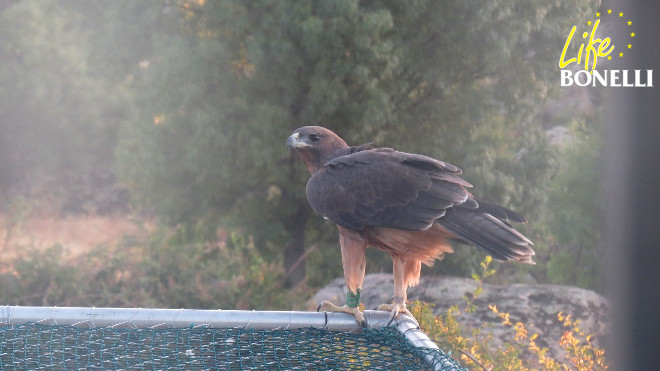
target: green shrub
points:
(37, 277)
(170, 268)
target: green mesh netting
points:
(34, 346)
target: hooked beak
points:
(294, 141)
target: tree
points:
(57, 115)
(574, 201)
(226, 135)
(457, 80)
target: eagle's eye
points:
(314, 137)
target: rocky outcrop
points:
(536, 306)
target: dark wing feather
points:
(498, 211)
(486, 231)
(385, 188)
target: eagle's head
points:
(316, 145)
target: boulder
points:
(536, 306)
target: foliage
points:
(575, 254)
(191, 101)
(170, 268)
(220, 95)
(56, 114)
(477, 350)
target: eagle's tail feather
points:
(483, 230)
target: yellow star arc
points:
(620, 55)
(609, 11)
(629, 46)
(629, 23)
(632, 34)
(621, 14)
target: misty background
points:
(172, 116)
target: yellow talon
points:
(395, 310)
(326, 306)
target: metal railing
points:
(118, 318)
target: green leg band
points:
(352, 300)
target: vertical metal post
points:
(632, 195)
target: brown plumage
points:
(408, 205)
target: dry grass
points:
(76, 234)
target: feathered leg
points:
(400, 285)
(354, 262)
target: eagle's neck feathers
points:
(314, 159)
